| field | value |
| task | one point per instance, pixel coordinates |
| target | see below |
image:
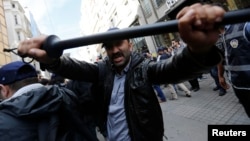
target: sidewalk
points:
(187, 119)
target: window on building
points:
(170, 3)
(126, 2)
(16, 20)
(112, 24)
(18, 36)
(13, 5)
(146, 7)
(158, 3)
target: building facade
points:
(98, 16)
(234, 4)
(163, 10)
(150, 12)
(4, 42)
(18, 25)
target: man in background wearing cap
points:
(29, 108)
(11, 74)
(131, 111)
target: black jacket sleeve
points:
(76, 70)
(183, 66)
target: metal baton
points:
(54, 46)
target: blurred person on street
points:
(162, 55)
(214, 70)
(156, 87)
(178, 47)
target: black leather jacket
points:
(144, 115)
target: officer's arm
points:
(222, 79)
(220, 69)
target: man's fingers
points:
(25, 46)
(39, 55)
(184, 23)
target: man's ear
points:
(5, 92)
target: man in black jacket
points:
(31, 111)
(131, 111)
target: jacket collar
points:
(24, 90)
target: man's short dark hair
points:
(21, 83)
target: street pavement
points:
(187, 119)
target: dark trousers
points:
(194, 83)
(244, 98)
(159, 92)
(214, 74)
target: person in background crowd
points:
(131, 110)
(31, 111)
(164, 56)
(214, 74)
(178, 49)
(167, 51)
(214, 70)
(195, 86)
(156, 87)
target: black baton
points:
(54, 46)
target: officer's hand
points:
(197, 26)
(223, 83)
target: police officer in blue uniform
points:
(236, 42)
